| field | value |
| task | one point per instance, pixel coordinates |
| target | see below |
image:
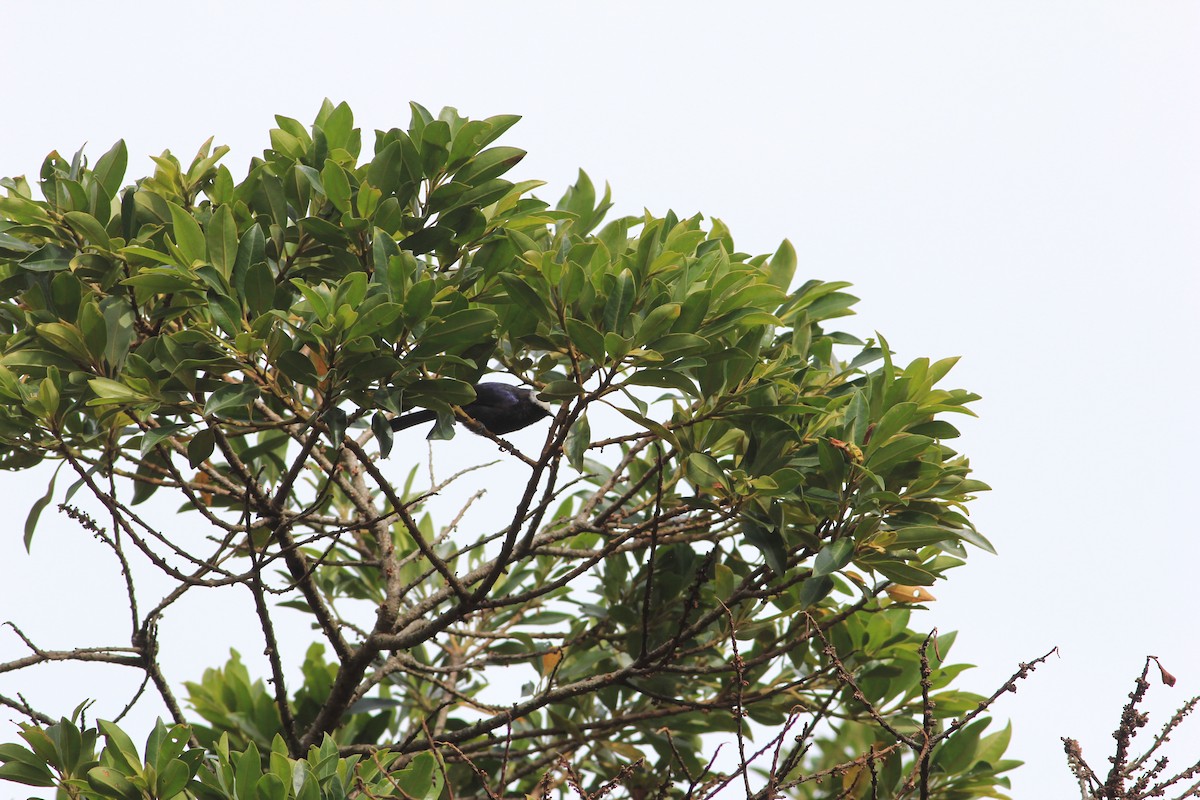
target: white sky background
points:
(1017, 183)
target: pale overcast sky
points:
(1017, 183)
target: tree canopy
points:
(735, 558)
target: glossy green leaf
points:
(48, 258)
(108, 391)
(337, 186)
(619, 302)
(899, 571)
(462, 328)
(489, 164)
(833, 557)
(232, 396)
(30, 774)
(222, 241)
(89, 228)
(188, 235)
(108, 782)
(110, 168)
(586, 339)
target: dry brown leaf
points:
(1167, 678)
(203, 479)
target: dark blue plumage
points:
(498, 407)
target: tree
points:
(737, 558)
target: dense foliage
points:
(735, 557)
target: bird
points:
(498, 407)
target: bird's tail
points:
(413, 418)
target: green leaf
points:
(656, 323)
(161, 280)
(30, 774)
(903, 447)
(524, 294)
(110, 168)
(420, 779)
(234, 395)
(898, 571)
(768, 541)
(251, 249)
(270, 787)
(188, 235)
(147, 253)
(173, 779)
(815, 589)
(35, 512)
(657, 429)
(782, 267)
(391, 169)
(226, 313)
(976, 538)
(586, 339)
(833, 557)
(110, 783)
(48, 258)
(222, 241)
(337, 186)
(834, 304)
(153, 437)
(259, 291)
(119, 745)
(894, 421)
(335, 420)
(201, 447)
(579, 437)
(459, 330)
(316, 300)
(374, 319)
(108, 391)
(248, 771)
(704, 473)
(448, 390)
(382, 428)
(427, 239)
(489, 164)
(338, 125)
(991, 747)
(561, 390)
(663, 378)
(89, 228)
(620, 302)
(298, 367)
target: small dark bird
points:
(498, 407)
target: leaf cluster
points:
(701, 568)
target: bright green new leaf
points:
(188, 236)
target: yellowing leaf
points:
(909, 594)
(551, 659)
